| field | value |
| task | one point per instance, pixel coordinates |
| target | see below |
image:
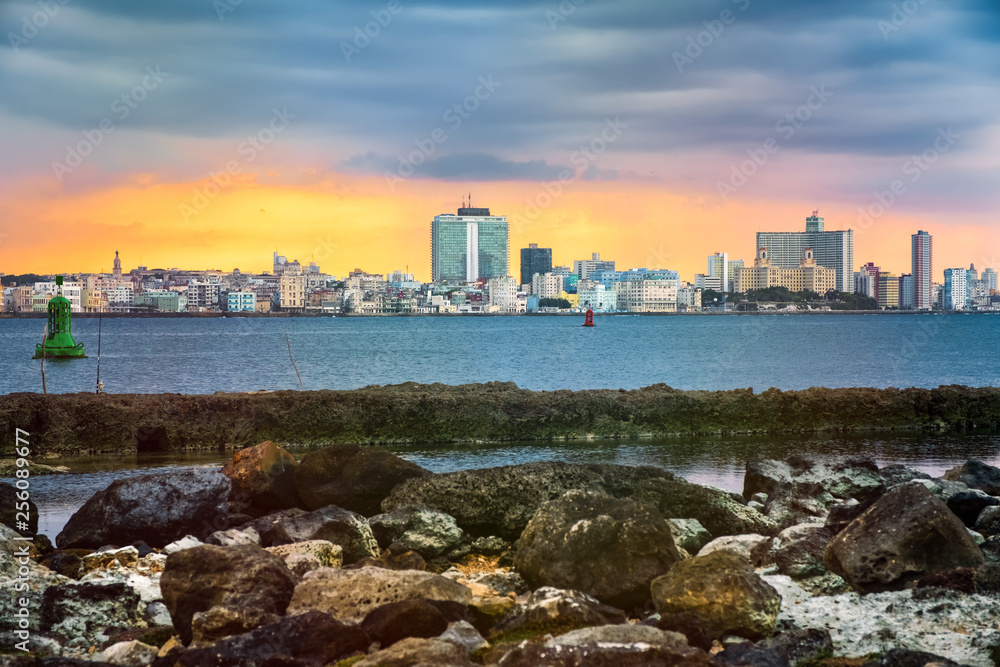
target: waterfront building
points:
(241, 302)
(921, 266)
(596, 296)
(292, 291)
(165, 301)
(833, 250)
(203, 295)
(534, 260)
(72, 291)
(470, 246)
(956, 289)
(723, 268)
(888, 290)
(808, 275)
(688, 298)
(704, 282)
(585, 267)
(866, 280)
(546, 286)
(906, 292)
(989, 279)
(504, 296)
(647, 296)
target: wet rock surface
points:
(262, 478)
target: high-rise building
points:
(888, 290)
(956, 289)
(546, 285)
(906, 292)
(866, 280)
(834, 250)
(921, 245)
(989, 277)
(470, 246)
(534, 260)
(585, 267)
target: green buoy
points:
(59, 343)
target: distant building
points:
(906, 292)
(989, 278)
(585, 267)
(596, 297)
(721, 267)
(647, 296)
(504, 296)
(165, 301)
(956, 289)
(534, 260)
(888, 290)
(833, 250)
(241, 302)
(806, 276)
(921, 266)
(703, 282)
(470, 246)
(117, 270)
(293, 292)
(866, 280)
(546, 286)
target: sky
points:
(210, 133)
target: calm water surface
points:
(201, 356)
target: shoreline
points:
(211, 315)
(85, 423)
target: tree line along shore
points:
(84, 423)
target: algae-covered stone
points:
(716, 510)
(723, 592)
(603, 546)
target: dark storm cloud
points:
(563, 70)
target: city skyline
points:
(647, 131)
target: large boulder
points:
(904, 535)
(342, 527)
(791, 503)
(722, 591)
(156, 509)
(246, 579)
(418, 651)
(976, 475)
(350, 595)
(312, 639)
(758, 549)
(714, 509)
(800, 550)
(353, 477)
(9, 510)
(395, 621)
(500, 501)
(968, 505)
(88, 609)
(621, 646)
(689, 534)
(428, 532)
(607, 547)
(263, 477)
(842, 476)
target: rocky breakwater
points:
(496, 411)
(353, 556)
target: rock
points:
(595, 543)
(960, 579)
(962, 627)
(617, 634)
(350, 595)
(267, 525)
(428, 532)
(943, 488)
(967, 505)
(904, 535)
(332, 524)
(902, 657)
(991, 549)
(67, 562)
(988, 521)
(242, 578)
(689, 534)
(502, 582)
(395, 621)
(759, 497)
(489, 546)
(758, 549)
(844, 513)
(418, 652)
(113, 558)
(9, 502)
(157, 509)
(129, 654)
(976, 475)
(755, 506)
(263, 477)
(841, 476)
(637, 654)
(723, 592)
(302, 557)
(716, 510)
(465, 636)
(396, 557)
(88, 610)
(353, 477)
(186, 542)
(234, 537)
(312, 639)
(800, 550)
(896, 473)
(500, 501)
(787, 648)
(551, 607)
(798, 502)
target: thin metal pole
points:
(100, 313)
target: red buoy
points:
(589, 322)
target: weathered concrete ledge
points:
(496, 411)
